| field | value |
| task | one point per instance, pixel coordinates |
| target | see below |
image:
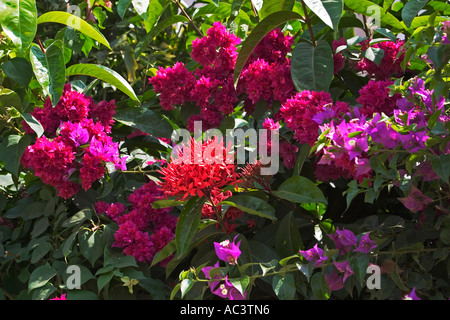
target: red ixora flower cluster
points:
(143, 231)
(198, 169)
(76, 147)
(265, 76)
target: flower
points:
(191, 173)
(314, 254)
(344, 267)
(411, 296)
(366, 245)
(415, 201)
(228, 251)
(334, 281)
(62, 297)
(224, 290)
(345, 240)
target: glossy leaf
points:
(105, 74)
(74, 22)
(312, 66)
(252, 205)
(369, 8)
(49, 69)
(264, 27)
(188, 224)
(284, 286)
(411, 9)
(288, 239)
(272, 6)
(329, 11)
(18, 21)
(299, 189)
(41, 276)
(11, 149)
(319, 286)
(19, 70)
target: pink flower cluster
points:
(267, 73)
(304, 112)
(375, 98)
(78, 145)
(143, 231)
(266, 76)
(390, 64)
(211, 86)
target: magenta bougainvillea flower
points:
(415, 201)
(366, 245)
(344, 268)
(62, 297)
(228, 251)
(411, 296)
(315, 254)
(345, 240)
(222, 288)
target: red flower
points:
(192, 174)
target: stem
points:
(189, 18)
(40, 43)
(255, 12)
(308, 22)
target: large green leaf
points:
(299, 189)
(369, 8)
(105, 74)
(264, 27)
(312, 67)
(11, 150)
(188, 224)
(40, 276)
(145, 120)
(50, 69)
(155, 10)
(74, 22)
(252, 205)
(284, 286)
(19, 70)
(18, 21)
(411, 9)
(319, 286)
(329, 11)
(288, 240)
(272, 6)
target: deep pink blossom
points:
(228, 251)
(345, 240)
(366, 245)
(415, 201)
(315, 254)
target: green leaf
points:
(312, 67)
(252, 205)
(41, 276)
(441, 165)
(284, 286)
(258, 33)
(319, 286)
(33, 123)
(11, 150)
(188, 224)
(77, 218)
(19, 70)
(40, 251)
(155, 10)
(50, 69)
(299, 189)
(272, 6)
(166, 203)
(240, 284)
(122, 7)
(145, 120)
(288, 240)
(18, 21)
(369, 8)
(104, 279)
(74, 22)
(301, 158)
(359, 266)
(105, 74)
(329, 11)
(186, 285)
(411, 9)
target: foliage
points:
(355, 91)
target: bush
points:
(224, 150)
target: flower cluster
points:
(228, 252)
(78, 146)
(200, 168)
(346, 243)
(143, 231)
(265, 76)
(390, 64)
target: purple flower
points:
(228, 251)
(411, 296)
(383, 133)
(314, 254)
(334, 281)
(415, 201)
(345, 240)
(366, 244)
(344, 267)
(79, 135)
(228, 291)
